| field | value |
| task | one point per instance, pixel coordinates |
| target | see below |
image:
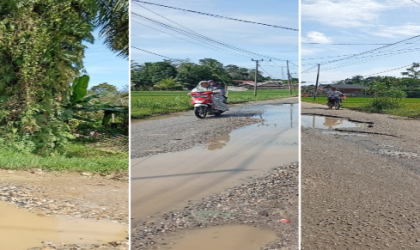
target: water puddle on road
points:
(226, 238)
(21, 229)
(164, 182)
(218, 142)
(325, 122)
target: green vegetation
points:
(179, 74)
(47, 114)
(147, 103)
(409, 107)
(76, 157)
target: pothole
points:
(223, 237)
(329, 122)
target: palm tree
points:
(113, 23)
(168, 84)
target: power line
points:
(415, 2)
(218, 16)
(389, 70)
(349, 43)
(306, 70)
(373, 51)
(200, 44)
(198, 36)
(379, 55)
(357, 61)
(325, 57)
(153, 53)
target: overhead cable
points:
(218, 16)
(199, 36)
(153, 53)
(390, 70)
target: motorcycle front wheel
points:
(337, 105)
(200, 112)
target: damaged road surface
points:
(360, 180)
(57, 211)
(165, 185)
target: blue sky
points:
(358, 21)
(102, 65)
(267, 41)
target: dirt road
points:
(42, 210)
(361, 181)
(223, 156)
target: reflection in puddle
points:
(325, 122)
(229, 237)
(21, 229)
(218, 142)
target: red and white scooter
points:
(203, 104)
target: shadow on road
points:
(193, 173)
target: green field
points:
(76, 157)
(147, 103)
(410, 107)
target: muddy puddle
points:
(226, 238)
(167, 181)
(325, 122)
(21, 229)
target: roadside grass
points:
(76, 158)
(410, 107)
(148, 103)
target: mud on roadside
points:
(71, 195)
(261, 202)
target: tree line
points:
(409, 82)
(170, 74)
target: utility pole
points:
(256, 74)
(316, 85)
(288, 77)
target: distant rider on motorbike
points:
(336, 94)
(217, 98)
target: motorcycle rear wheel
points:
(329, 105)
(200, 112)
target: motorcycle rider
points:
(335, 93)
(222, 90)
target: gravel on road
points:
(361, 192)
(261, 202)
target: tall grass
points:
(77, 157)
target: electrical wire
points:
(388, 70)
(218, 16)
(200, 37)
(200, 44)
(153, 53)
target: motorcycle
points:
(203, 105)
(333, 102)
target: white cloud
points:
(316, 37)
(343, 13)
(406, 30)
